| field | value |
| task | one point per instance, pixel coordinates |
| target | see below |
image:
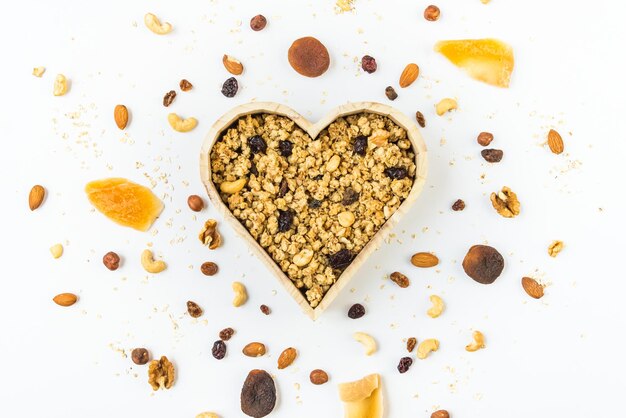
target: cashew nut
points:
(60, 85)
(426, 346)
(303, 258)
(56, 250)
(368, 342)
(38, 71)
(207, 415)
(346, 219)
(154, 24)
(479, 342)
(241, 296)
(151, 265)
(232, 187)
(333, 163)
(445, 105)
(181, 125)
(437, 307)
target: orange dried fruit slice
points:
(362, 398)
(124, 202)
(488, 60)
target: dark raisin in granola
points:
(341, 259)
(285, 220)
(405, 363)
(253, 169)
(230, 87)
(219, 349)
(356, 311)
(284, 187)
(314, 203)
(360, 145)
(257, 144)
(349, 197)
(285, 148)
(396, 173)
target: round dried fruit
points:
(111, 260)
(368, 64)
(318, 377)
(391, 94)
(265, 309)
(209, 268)
(484, 138)
(309, 57)
(258, 394)
(483, 264)
(410, 344)
(360, 145)
(230, 87)
(257, 144)
(219, 349)
(194, 310)
(442, 413)
(285, 148)
(458, 205)
(341, 259)
(431, 13)
(140, 356)
(226, 333)
(195, 203)
(492, 155)
(400, 279)
(284, 187)
(356, 311)
(169, 98)
(258, 23)
(396, 173)
(285, 220)
(405, 363)
(185, 85)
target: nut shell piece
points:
(309, 57)
(483, 263)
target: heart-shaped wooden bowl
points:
(313, 129)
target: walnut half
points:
(209, 235)
(506, 203)
(161, 374)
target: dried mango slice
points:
(362, 398)
(488, 60)
(124, 202)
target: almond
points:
(254, 349)
(65, 299)
(555, 142)
(532, 287)
(232, 65)
(424, 260)
(287, 357)
(409, 75)
(120, 114)
(36, 196)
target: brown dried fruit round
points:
(195, 203)
(111, 261)
(442, 413)
(258, 394)
(431, 13)
(226, 333)
(309, 57)
(368, 63)
(318, 377)
(209, 268)
(185, 85)
(410, 344)
(399, 279)
(258, 23)
(265, 309)
(458, 205)
(391, 94)
(484, 138)
(140, 356)
(492, 155)
(483, 264)
(194, 310)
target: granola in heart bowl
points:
(312, 198)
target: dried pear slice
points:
(124, 202)
(362, 398)
(488, 60)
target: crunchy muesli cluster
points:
(313, 204)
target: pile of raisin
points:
(226, 333)
(360, 145)
(285, 148)
(230, 87)
(284, 187)
(285, 220)
(257, 144)
(341, 259)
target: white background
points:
(560, 356)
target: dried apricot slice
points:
(488, 60)
(124, 202)
(362, 398)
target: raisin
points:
(284, 187)
(254, 170)
(258, 394)
(219, 349)
(356, 311)
(420, 119)
(349, 197)
(209, 268)
(230, 87)
(285, 148)
(341, 259)
(140, 356)
(492, 155)
(399, 279)
(458, 205)
(396, 173)
(185, 85)
(410, 344)
(405, 363)
(258, 23)
(226, 333)
(314, 203)
(169, 98)
(193, 309)
(391, 94)
(285, 220)
(360, 145)
(484, 138)
(368, 64)
(257, 144)
(265, 309)
(318, 177)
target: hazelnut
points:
(309, 57)
(140, 356)
(195, 203)
(484, 138)
(483, 264)
(111, 261)
(431, 13)
(258, 23)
